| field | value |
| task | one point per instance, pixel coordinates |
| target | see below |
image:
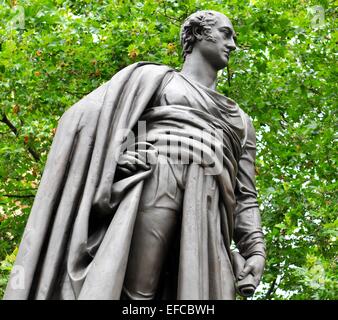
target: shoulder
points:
(246, 119)
(147, 69)
(249, 122)
(145, 74)
(250, 131)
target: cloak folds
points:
(77, 238)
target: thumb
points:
(245, 271)
(257, 279)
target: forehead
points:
(223, 22)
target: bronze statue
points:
(149, 179)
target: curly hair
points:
(201, 19)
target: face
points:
(217, 52)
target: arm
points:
(248, 234)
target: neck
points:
(196, 68)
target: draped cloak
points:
(77, 239)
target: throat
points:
(199, 71)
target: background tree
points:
(284, 75)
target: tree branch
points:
(76, 93)
(10, 125)
(271, 289)
(175, 21)
(34, 154)
(18, 195)
(229, 76)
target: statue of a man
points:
(149, 180)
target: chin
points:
(221, 65)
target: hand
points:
(254, 265)
(131, 161)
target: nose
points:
(231, 45)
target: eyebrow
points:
(230, 30)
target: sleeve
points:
(248, 235)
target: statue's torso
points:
(177, 89)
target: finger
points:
(129, 166)
(247, 269)
(259, 272)
(127, 162)
(137, 155)
(125, 171)
(131, 162)
(257, 279)
(142, 165)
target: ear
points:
(197, 32)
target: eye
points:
(226, 33)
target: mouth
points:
(227, 54)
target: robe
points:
(77, 239)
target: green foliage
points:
(284, 75)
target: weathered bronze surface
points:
(149, 180)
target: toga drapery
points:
(77, 238)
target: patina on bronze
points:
(149, 180)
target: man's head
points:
(212, 34)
